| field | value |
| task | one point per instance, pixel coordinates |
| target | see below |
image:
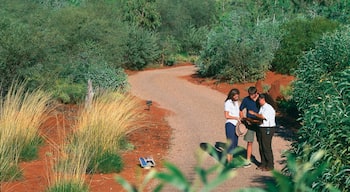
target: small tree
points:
(299, 36)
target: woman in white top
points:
(231, 112)
(266, 130)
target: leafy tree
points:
(42, 43)
(179, 17)
(322, 94)
(299, 36)
(142, 13)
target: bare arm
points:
(228, 116)
(260, 116)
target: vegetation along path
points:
(197, 118)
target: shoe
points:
(248, 164)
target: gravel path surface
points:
(197, 117)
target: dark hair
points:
(252, 90)
(233, 92)
(268, 99)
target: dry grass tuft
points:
(21, 114)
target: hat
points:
(241, 129)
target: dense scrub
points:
(322, 94)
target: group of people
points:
(257, 112)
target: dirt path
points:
(197, 118)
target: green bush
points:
(141, 48)
(68, 92)
(237, 50)
(107, 162)
(300, 35)
(322, 93)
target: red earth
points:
(154, 138)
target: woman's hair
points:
(268, 99)
(230, 94)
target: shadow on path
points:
(219, 152)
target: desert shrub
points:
(299, 36)
(107, 78)
(322, 93)
(169, 47)
(238, 51)
(107, 162)
(141, 48)
(194, 39)
(67, 92)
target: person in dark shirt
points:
(249, 103)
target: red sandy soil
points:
(154, 138)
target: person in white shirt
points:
(266, 130)
(231, 112)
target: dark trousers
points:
(264, 137)
(231, 136)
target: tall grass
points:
(99, 129)
(107, 120)
(69, 168)
(21, 114)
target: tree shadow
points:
(286, 128)
(219, 151)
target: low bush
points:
(107, 162)
(239, 51)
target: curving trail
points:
(197, 118)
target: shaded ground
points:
(153, 140)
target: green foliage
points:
(107, 162)
(322, 93)
(203, 182)
(30, 151)
(141, 48)
(68, 186)
(299, 36)
(68, 92)
(41, 43)
(302, 173)
(239, 51)
(142, 13)
(180, 16)
(194, 39)
(169, 47)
